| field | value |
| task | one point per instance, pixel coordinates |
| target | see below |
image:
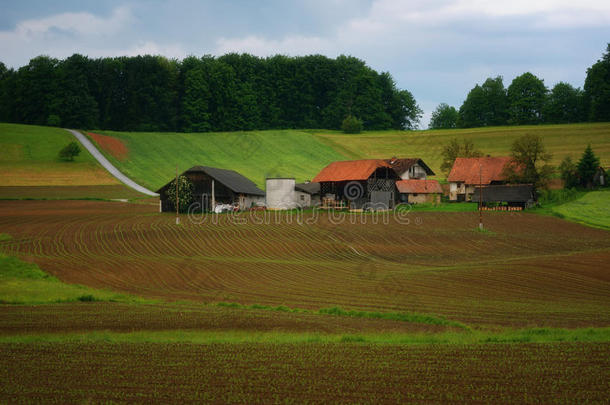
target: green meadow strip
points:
(537, 335)
(336, 311)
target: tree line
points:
(226, 93)
(527, 101)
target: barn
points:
(519, 196)
(468, 173)
(419, 191)
(213, 186)
(358, 184)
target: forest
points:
(527, 101)
(227, 93)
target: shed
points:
(212, 186)
(515, 195)
(419, 191)
(307, 194)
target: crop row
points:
(317, 373)
(527, 271)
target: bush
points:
(69, 151)
(351, 125)
(53, 120)
(185, 193)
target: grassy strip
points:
(587, 208)
(336, 311)
(25, 283)
(537, 335)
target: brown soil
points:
(313, 373)
(528, 270)
(117, 317)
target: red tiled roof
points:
(418, 186)
(350, 170)
(467, 170)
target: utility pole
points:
(480, 196)
(177, 198)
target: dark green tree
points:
(485, 105)
(69, 152)
(564, 105)
(195, 102)
(351, 125)
(597, 89)
(587, 167)
(454, 149)
(74, 103)
(529, 162)
(526, 96)
(444, 117)
(568, 172)
(185, 193)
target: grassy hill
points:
(561, 141)
(153, 157)
(28, 157)
(30, 168)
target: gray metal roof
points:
(505, 193)
(309, 188)
(230, 178)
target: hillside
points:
(30, 168)
(28, 157)
(560, 140)
(152, 157)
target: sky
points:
(436, 49)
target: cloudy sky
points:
(437, 49)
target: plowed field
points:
(527, 270)
(311, 373)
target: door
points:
(381, 200)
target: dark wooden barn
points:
(229, 187)
(358, 184)
(517, 195)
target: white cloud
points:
(64, 34)
(74, 23)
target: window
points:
(302, 197)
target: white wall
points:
(414, 172)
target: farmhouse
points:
(358, 184)
(285, 193)
(467, 173)
(419, 191)
(410, 168)
(508, 195)
(212, 186)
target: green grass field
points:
(29, 157)
(153, 157)
(302, 154)
(591, 209)
(560, 140)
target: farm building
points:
(410, 168)
(358, 184)
(517, 195)
(285, 193)
(307, 194)
(212, 186)
(468, 173)
(419, 191)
